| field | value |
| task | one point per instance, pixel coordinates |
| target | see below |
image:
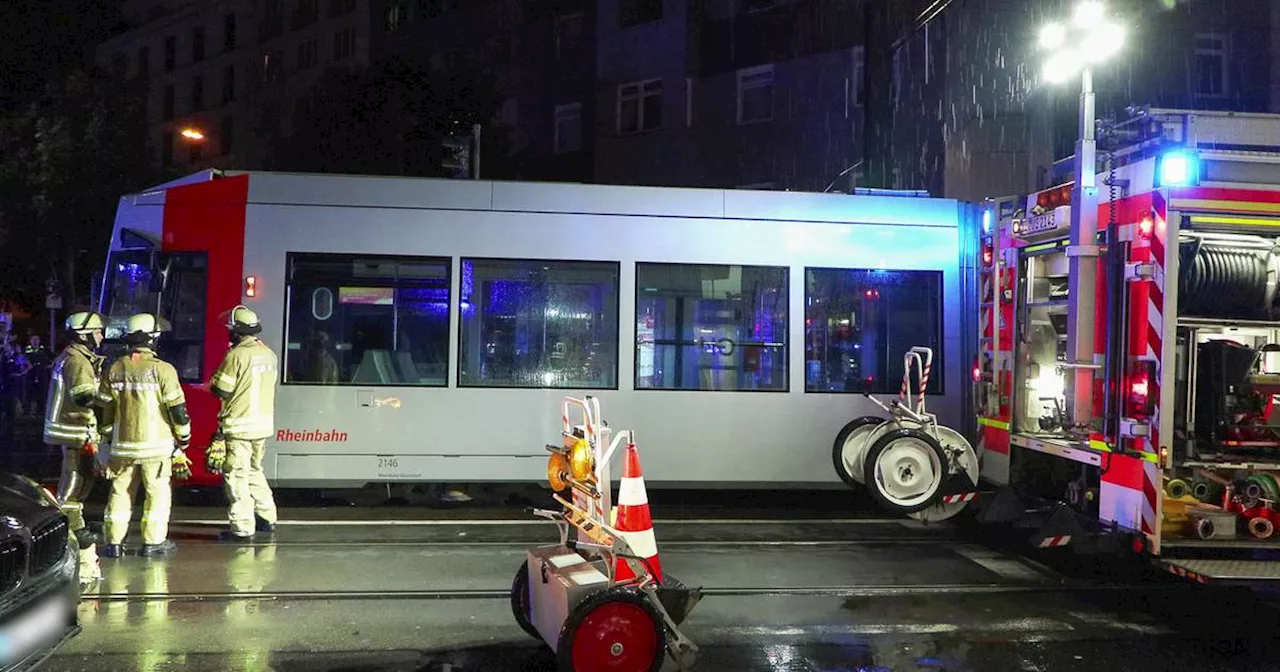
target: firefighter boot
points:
(90, 568)
(113, 550)
(166, 547)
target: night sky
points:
(41, 39)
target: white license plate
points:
(35, 628)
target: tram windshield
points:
(172, 285)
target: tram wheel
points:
(616, 630)
(850, 446)
(905, 469)
(520, 601)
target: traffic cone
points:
(634, 520)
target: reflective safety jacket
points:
(147, 412)
(246, 383)
(69, 419)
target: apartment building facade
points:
(230, 70)
(714, 93)
(988, 123)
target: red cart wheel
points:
(616, 629)
(520, 600)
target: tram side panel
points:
(355, 434)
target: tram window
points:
(367, 320)
(540, 324)
(860, 323)
(711, 327)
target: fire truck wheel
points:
(851, 445)
(905, 469)
(615, 629)
(520, 600)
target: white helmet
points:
(147, 324)
(84, 322)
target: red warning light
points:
(986, 256)
(1145, 227)
(977, 373)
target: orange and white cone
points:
(634, 521)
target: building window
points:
(271, 66)
(636, 12)
(568, 128)
(529, 323)
(227, 134)
(170, 53)
(167, 102)
(166, 149)
(434, 8)
(197, 44)
(899, 72)
(228, 83)
(305, 13)
(344, 44)
(367, 320)
(857, 78)
(568, 34)
(229, 32)
(639, 106)
(859, 324)
(144, 62)
(308, 54)
(755, 94)
(1210, 65)
(394, 17)
(197, 93)
(119, 65)
(711, 327)
(340, 7)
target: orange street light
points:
(192, 134)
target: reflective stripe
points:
(135, 386)
(177, 396)
(228, 382)
(81, 389)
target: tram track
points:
(900, 590)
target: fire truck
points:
(1165, 443)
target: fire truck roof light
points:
(1177, 168)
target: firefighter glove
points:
(216, 456)
(181, 465)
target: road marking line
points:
(1006, 566)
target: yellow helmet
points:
(241, 316)
(84, 322)
(146, 323)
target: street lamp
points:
(192, 134)
(1088, 39)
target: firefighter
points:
(71, 424)
(149, 429)
(246, 384)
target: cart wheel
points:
(614, 629)
(905, 470)
(520, 600)
(850, 445)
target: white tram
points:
(425, 326)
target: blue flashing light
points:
(986, 221)
(1177, 168)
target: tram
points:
(424, 326)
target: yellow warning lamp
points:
(582, 462)
(558, 472)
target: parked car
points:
(39, 575)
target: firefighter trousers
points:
(125, 474)
(246, 485)
(74, 484)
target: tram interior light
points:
(1177, 168)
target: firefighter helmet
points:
(241, 316)
(84, 322)
(146, 324)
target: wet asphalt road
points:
(333, 593)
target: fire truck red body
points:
(1178, 456)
